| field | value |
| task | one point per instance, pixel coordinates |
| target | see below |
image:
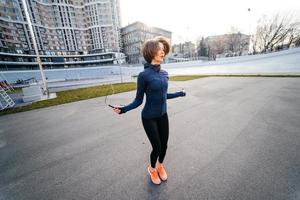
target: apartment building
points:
(69, 33)
(133, 37)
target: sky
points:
(191, 19)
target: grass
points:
(192, 77)
(103, 90)
(16, 90)
(74, 95)
(259, 75)
(186, 78)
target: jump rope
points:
(113, 92)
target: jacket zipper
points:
(162, 93)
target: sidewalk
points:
(230, 138)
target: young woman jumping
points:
(153, 82)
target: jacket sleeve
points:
(175, 95)
(141, 88)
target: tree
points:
(294, 34)
(275, 31)
(232, 39)
(217, 47)
(297, 41)
(202, 48)
(214, 46)
(236, 42)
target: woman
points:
(153, 82)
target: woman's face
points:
(160, 54)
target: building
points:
(233, 44)
(69, 33)
(133, 37)
(184, 50)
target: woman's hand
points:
(117, 109)
(183, 93)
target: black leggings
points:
(157, 130)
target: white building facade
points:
(68, 32)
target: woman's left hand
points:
(183, 93)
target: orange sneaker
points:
(161, 171)
(154, 176)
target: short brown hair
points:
(151, 46)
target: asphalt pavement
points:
(230, 138)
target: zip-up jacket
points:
(153, 82)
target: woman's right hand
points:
(117, 109)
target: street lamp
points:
(119, 61)
(249, 10)
(250, 35)
(45, 87)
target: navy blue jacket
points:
(153, 81)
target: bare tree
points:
(254, 45)
(215, 47)
(297, 41)
(236, 42)
(294, 34)
(272, 32)
(233, 39)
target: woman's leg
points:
(163, 129)
(151, 129)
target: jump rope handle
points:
(114, 106)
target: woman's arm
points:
(175, 95)
(141, 88)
